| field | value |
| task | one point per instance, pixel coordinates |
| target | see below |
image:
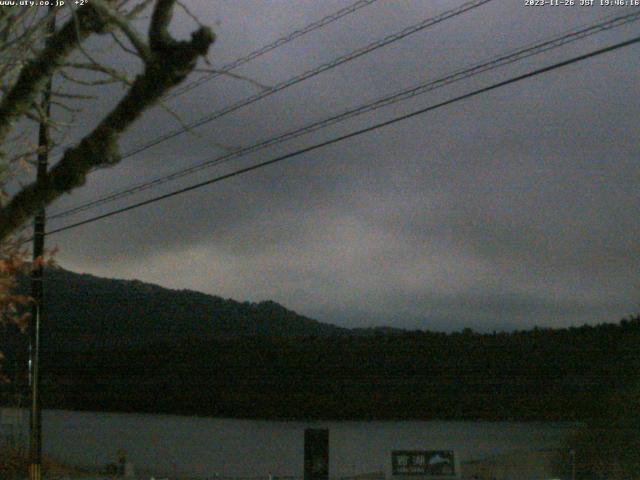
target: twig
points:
(234, 75)
(124, 25)
(189, 129)
(76, 96)
(122, 45)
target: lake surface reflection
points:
(171, 445)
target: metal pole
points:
(35, 418)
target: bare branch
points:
(125, 27)
(188, 12)
(122, 45)
(81, 48)
(190, 130)
(113, 78)
(253, 82)
(76, 96)
(35, 73)
(169, 63)
(138, 9)
(24, 36)
(66, 107)
(159, 37)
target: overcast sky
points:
(515, 208)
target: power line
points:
(476, 69)
(304, 76)
(354, 134)
(272, 46)
(495, 62)
(268, 48)
(311, 73)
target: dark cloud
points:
(504, 211)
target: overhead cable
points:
(389, 39)
(356, 133)
(272, 46)
(476, 69)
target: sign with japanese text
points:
(436, 463)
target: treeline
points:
(541, 374)
(84, 311)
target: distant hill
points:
(563, 374)
(84, 311)
(120, 345)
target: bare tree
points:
(29, 56)
(165, 63)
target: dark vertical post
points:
(35, 417)
(316, 454)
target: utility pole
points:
(35, 417)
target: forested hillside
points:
(196, 354)
(84, 311)
(541, 374)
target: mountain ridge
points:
(115, 345)
(94, 312)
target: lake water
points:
(194, 446)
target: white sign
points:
(429, 463)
